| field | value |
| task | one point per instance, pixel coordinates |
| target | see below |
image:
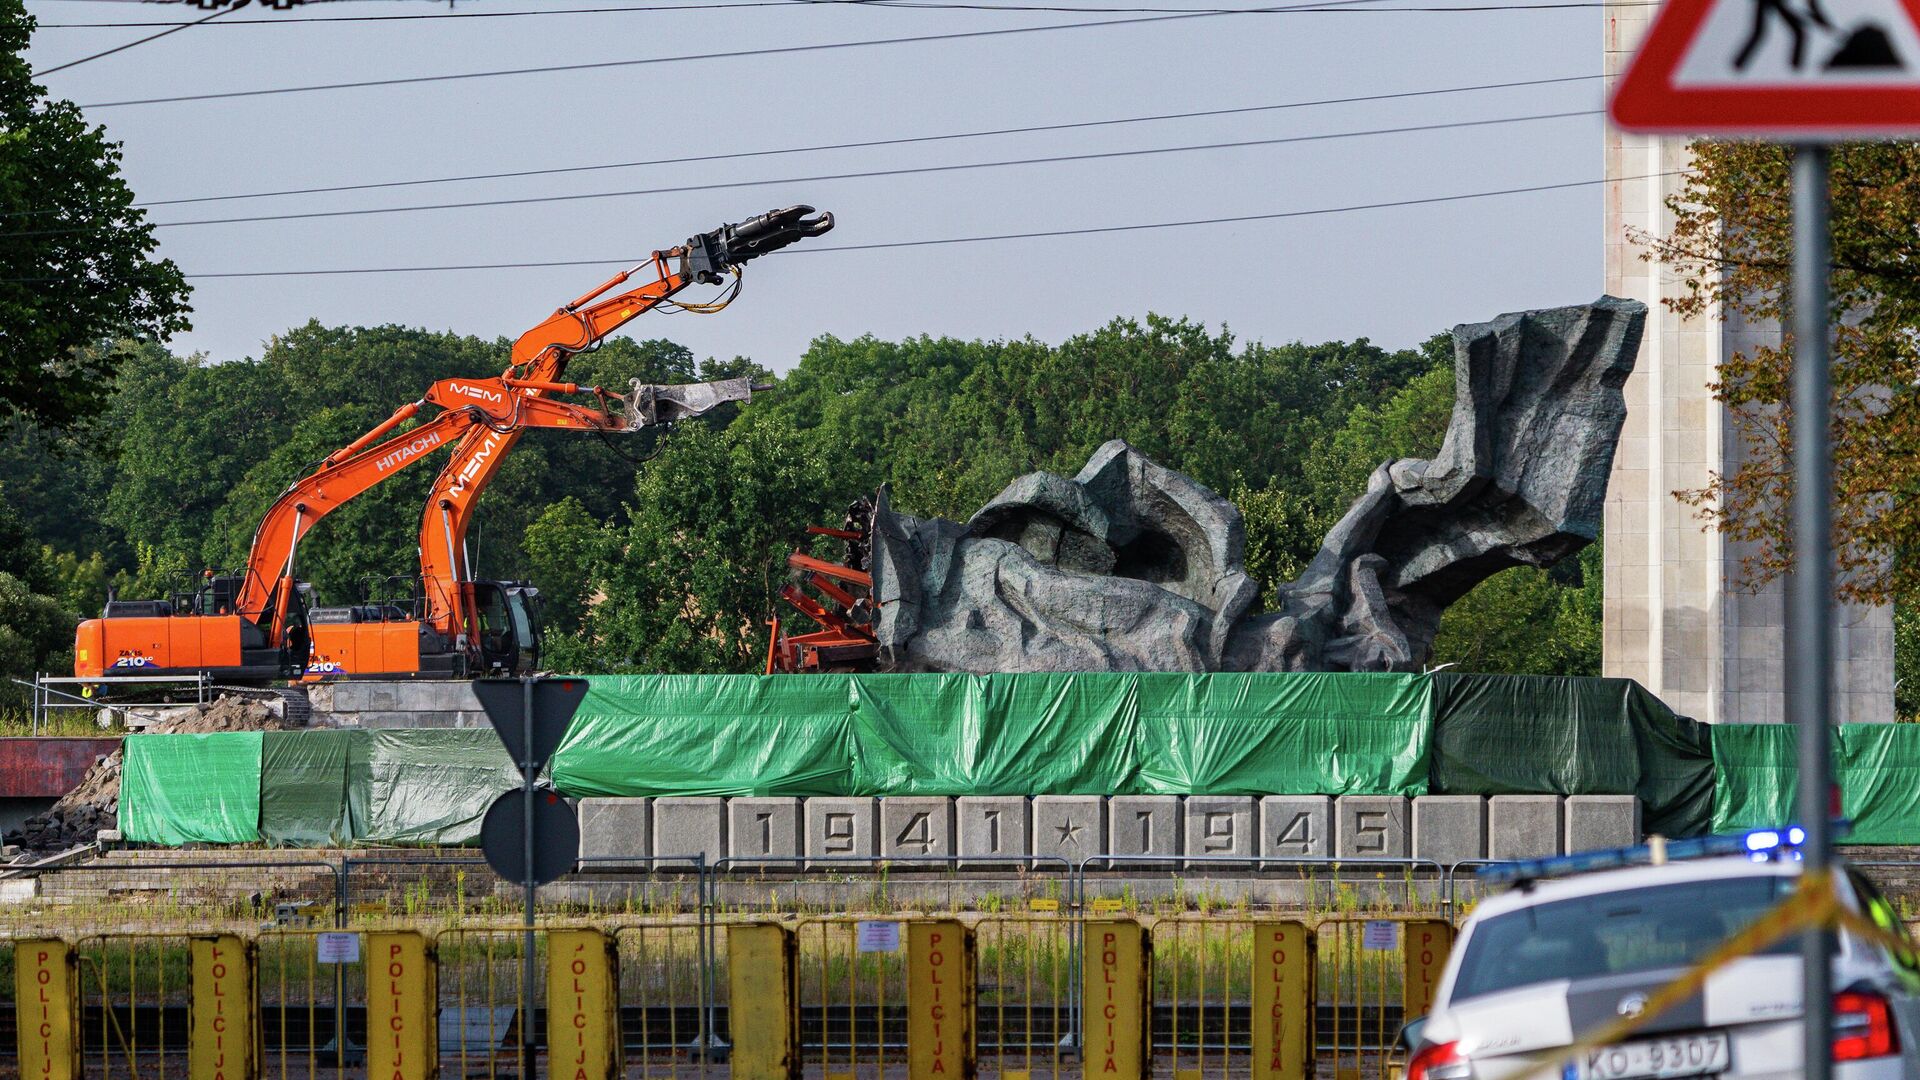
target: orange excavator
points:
(255, 625)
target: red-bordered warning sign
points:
(1795, 69)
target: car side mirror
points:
(1409, 1036)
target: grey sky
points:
(1394, 275)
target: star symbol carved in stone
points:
(1069, 833)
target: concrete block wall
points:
(424, 703)
(1149, 832)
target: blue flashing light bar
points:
(1760, 845)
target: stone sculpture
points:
(1130, 566)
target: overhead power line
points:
(866, 174)
(942, 241)
(859, 145)
(776, 50)
(1064, 9)
(173, 28)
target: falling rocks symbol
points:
(1866, 47)
(556, 836)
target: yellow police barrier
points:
(1425, 944)
(46, 1001)
(1024, 985)
(763, 987)
(478, 972)
(223, 1032)
(1283, 1001)
(853, 976)
(1116, 966)
(940, 1000)
(403, 1039)
(583, 1006)
(1370, 968)
(665, 974)
(305, 979)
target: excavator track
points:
(295, 707)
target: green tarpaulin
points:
(788, 735)
(1226, 734)
(187, 789)
(998, 735)
(425, 786)
(1521, 734)
(1876, 765)
(303, 788)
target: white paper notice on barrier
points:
(338, 948)
(878, 936)
(1380, 935)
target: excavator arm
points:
(540, 358)
(248, 619)
(491, 405)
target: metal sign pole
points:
(1810, 598)
(529, 881)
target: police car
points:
(1558, 957)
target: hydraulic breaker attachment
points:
(711, 255)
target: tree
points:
(35, 631)
(1731, 244)
(565, 549)
(76, 268)
(1528, 621)
(694, 576)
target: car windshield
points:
(1614, 933)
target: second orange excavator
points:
(255, 625)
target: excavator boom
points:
(540, 356)
(252, 625)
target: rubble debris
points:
(84, 813)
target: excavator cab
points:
(508, 614)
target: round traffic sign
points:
(556, 836)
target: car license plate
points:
(1657, 1059)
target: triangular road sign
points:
(1792, 69)
(554, 703)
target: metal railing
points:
(46, 698)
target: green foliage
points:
(663, 550)
(1906, 660)
(1281, 534)
(35, 632)
(713, 517)
(1526, 621)
(565, 548)
(76, 268)
(1411, 423)
(80, 585)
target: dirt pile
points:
(95, 805)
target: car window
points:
(1613, 933)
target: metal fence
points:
(1033, 979)
(49, 699)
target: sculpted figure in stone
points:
(1130, 566)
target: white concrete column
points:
(1672, 619)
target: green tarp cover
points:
(186, 789)
(998, 734)
(660, 735)
(1876, 765)
(303, 788)
(1505, 735)
(1233, 734)
(425, 786)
